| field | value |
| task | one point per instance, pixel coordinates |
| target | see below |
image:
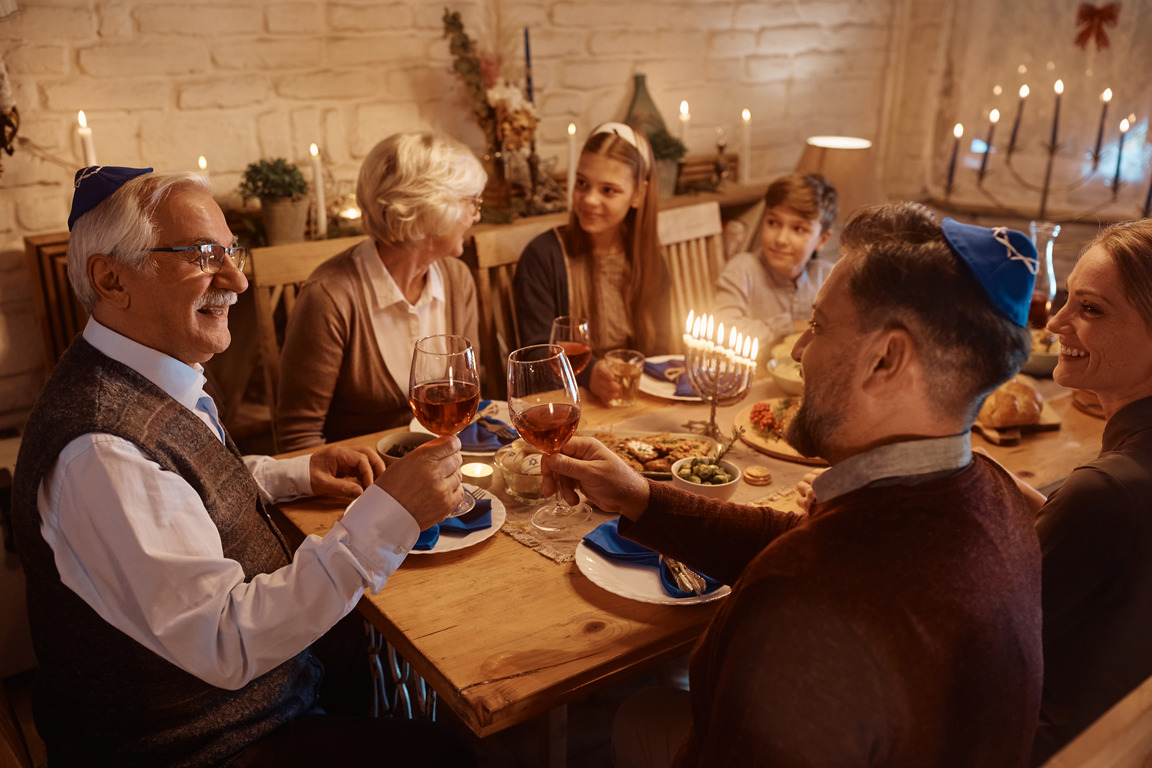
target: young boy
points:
(767, 294)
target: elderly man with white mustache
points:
(172, 623)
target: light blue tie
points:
(206, 405)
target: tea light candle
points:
(85, 134)
(318, 188)
(477, 473)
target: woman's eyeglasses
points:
(475, 201)
(212, 256)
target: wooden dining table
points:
(504, 635)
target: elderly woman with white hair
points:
(348, 344)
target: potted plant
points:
(668, 150)
(281, 189)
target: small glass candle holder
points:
(477, 473)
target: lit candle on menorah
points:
(721, 373)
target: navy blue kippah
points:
(95, 184)
(1003, 260)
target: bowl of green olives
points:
(707, 477)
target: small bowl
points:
(397, 445)
(721, 492)
(519, 465)
(1044, 355)
(786, 374)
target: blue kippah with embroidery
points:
(1004, 262)
(95, 184)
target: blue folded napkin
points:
(477, 437)
(606, 540)
(478, 519)
(676, 374)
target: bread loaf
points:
(1012, 404)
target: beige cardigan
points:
(333, 381)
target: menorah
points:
(720, 373)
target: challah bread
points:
(1012, 404)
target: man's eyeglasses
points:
(212, 256)
(475, 201)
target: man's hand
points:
(427, 481)
(603, 384)
(606, 480)
(805, 496)
(344, 471)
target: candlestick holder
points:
(719, 376)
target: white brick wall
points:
(163, 82)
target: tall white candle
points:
(571, 160)
(203, 163)
(318, 188)
(86, 140)
(746, 150)
(685, 116)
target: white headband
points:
(628, 133)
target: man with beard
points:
(898, 623)
(172, 624)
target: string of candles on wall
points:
(719, 372)
(1052, 146)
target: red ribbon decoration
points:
(1093, 20)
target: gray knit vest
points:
(100, 697)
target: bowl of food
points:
(519, 465)
(787, 375)
(397, 445)
(1045, 353)
(706, 477)
(784, 347)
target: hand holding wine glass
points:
(544, 403)
(444, 389)
(572, 335)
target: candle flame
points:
(732, 338)
(746, 116)
(720, 334)
(684, 108)
(1022, 69)
(1106, 96)
(688, 323)
(696, 327)
(1132, 119)
(739, 341)
(958, 131)
(1124, 125)
(1024, 91)
(314, 150)
(709, 336)
(83, 120)
(755, 350)
(994, 116)
(746, 348)
(997, 90)
(1059, 87)
(203, 161)
(571, 129)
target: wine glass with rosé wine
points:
(544, 403)
(444, 390)
(571, 333)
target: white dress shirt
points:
(137, 545)
(396, 323)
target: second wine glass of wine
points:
(571, 334)
(444, 390)
(544, 403)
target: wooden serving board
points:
(772, 446)
(1049, 421)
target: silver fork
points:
(685, 578)
(477, 493)
(498, 429)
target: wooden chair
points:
(692, 242)
(498, 250)
(1120, 738)
(277, 272)
(60, 315)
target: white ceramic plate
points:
(501, 415)
(635, 582)
(658, 388)
(449, 542)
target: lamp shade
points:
(849, 164)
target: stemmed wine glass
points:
(444, 390)
(544, 403)
(571, 333)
